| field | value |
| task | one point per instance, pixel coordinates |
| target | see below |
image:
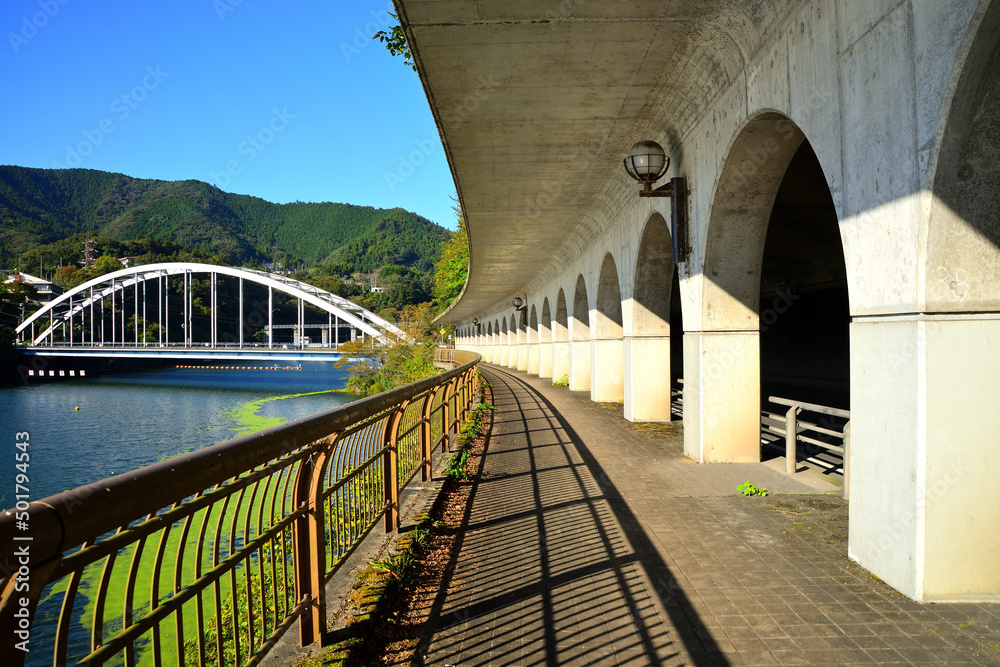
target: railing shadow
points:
(573, 511)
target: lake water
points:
(130, 419)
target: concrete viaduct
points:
(841, 238)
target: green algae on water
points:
(247, 420)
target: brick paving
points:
(591, 543)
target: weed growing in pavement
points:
(748, 488)
(561, 382)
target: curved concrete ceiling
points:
(538, 102)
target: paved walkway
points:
(591, 543)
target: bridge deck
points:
(194, 352)
(588, 542)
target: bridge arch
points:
(579, 368)
(67, 306)
(607, 360)
(649, 347)
(545, 341)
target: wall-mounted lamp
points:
(476, 326)
(647, 162)
(518, 304)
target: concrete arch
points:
(504, 344)
(560, 322)
(924, 384)
(737, 225)
(962, 225)
(533, 345)
(111, 283)
(560, 338)
(545, 343)
(647, 353)
(607, 361)
(654, 269)
(580, 347)
(722, 351)
(608, 313)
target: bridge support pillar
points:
(560, 359)
(924, 425)
(722, 396)
(522, 357)
(504, 355)
(545, 359)
(533, 359)
(607, 370)
(512, 355)
(647, 378)
(579, 365)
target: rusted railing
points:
(835, 428)
(209, 557)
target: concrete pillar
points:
(722, 396)
(533, 358)
(522, 357)
(579, 365)
(545, 353)
(925, 498)
(560, 360)
(647, 378)
(607, 370)
(504, 354)
(511, 355)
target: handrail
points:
(794, 427)
(292, 500)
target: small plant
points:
(454, 465)
(419, 538)
(399, 567)
(561, 382)
(748, 488)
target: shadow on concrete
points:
(571, 577)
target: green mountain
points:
(40, 206)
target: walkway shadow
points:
(589, 588)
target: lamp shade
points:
(647, 162)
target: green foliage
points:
(8, 357)
(395, 43)
(41, 206)
(561, 382)
(375, 366)
(454, 465)
(452, 268)
(748, 488)
(399, 567)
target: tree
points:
(452, 268)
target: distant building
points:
(46, 290)
(127, 261)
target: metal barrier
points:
(791, 427)
(207, 558)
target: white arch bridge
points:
(128, 313)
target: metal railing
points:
(825, 433)
(207, 558)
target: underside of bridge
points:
(841, 243)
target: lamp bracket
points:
(662, 191)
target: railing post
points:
(426, 437)
(390, 468)
(791, 436)
(847, 460)
(309, 544)
(445, 409)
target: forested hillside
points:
(42, 206)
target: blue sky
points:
(283, 100)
